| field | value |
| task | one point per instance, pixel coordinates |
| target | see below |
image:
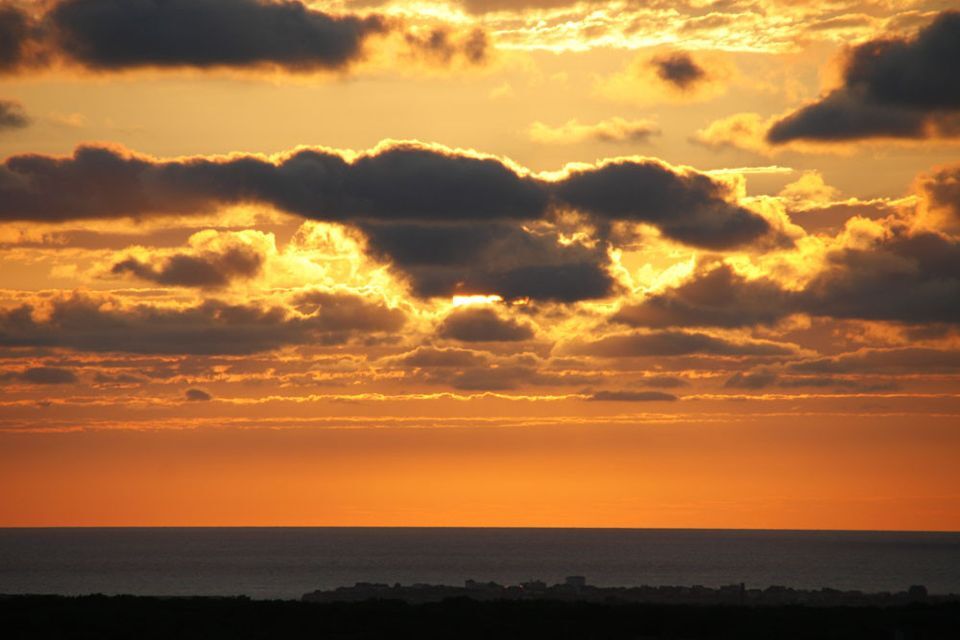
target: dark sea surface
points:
(287, 562)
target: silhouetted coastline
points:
(148, 618)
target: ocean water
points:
(287, 562)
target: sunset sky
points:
(639, 263)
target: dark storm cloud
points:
(196, 395)
(213, 327)
(506, 375)
(483, 325)
(751, 380)
(718, 298)
(688, 207)
(501, 378)
(846, 114)
(678, 69)
(451, 222)
(339, 313)
(122, 34)
(402, 182)
(818, 382)
(491, 258)
(16, 32)
(899, 88)
(762, 379)
(674, 343)
(481, 246)
(207, 270)
(567, 282)
(666, 382)
(910, 278)
(42, 375)
(433, 357)
(631, 396)
(471, 370)
(12, 115)
(942, 189)
(117, 35)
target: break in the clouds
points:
(12, 115)
(892, 88)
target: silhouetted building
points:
(534, 586)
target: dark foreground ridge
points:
(102, 617)
(576, 589)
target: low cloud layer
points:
(12, 115)
(207, 269)
(484, 325)
(212, 327)
(673, 343)
(718, 298)
(631, 396)
(905, 277)
(41, 376)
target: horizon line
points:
(481, 527)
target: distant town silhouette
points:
(576, 588)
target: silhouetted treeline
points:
(107, 618)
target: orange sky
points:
(505, 263)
